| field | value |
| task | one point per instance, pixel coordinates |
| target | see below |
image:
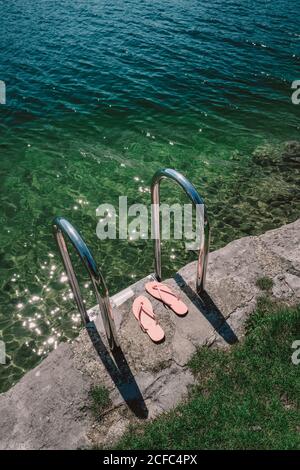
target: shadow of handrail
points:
(120, 373)
(209, 310)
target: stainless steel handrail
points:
(198, 202)
(62, 228)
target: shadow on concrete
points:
(208, 308)
(120, 373)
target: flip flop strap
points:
(151, 315)
(166, 292)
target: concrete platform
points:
(50, 407)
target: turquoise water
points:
(100, 94)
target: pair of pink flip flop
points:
(143, 311)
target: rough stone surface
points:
(50, 408)
(47, 407)
(291, 152)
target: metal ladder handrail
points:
(193, 194)
(63, 227)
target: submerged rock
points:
(268, 154)
(291, 152)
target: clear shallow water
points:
(100, 94)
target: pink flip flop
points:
(143, 312)
(164, 293)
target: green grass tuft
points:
(100, 400)
(265, 306)
(265, 283)
(245, 398)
